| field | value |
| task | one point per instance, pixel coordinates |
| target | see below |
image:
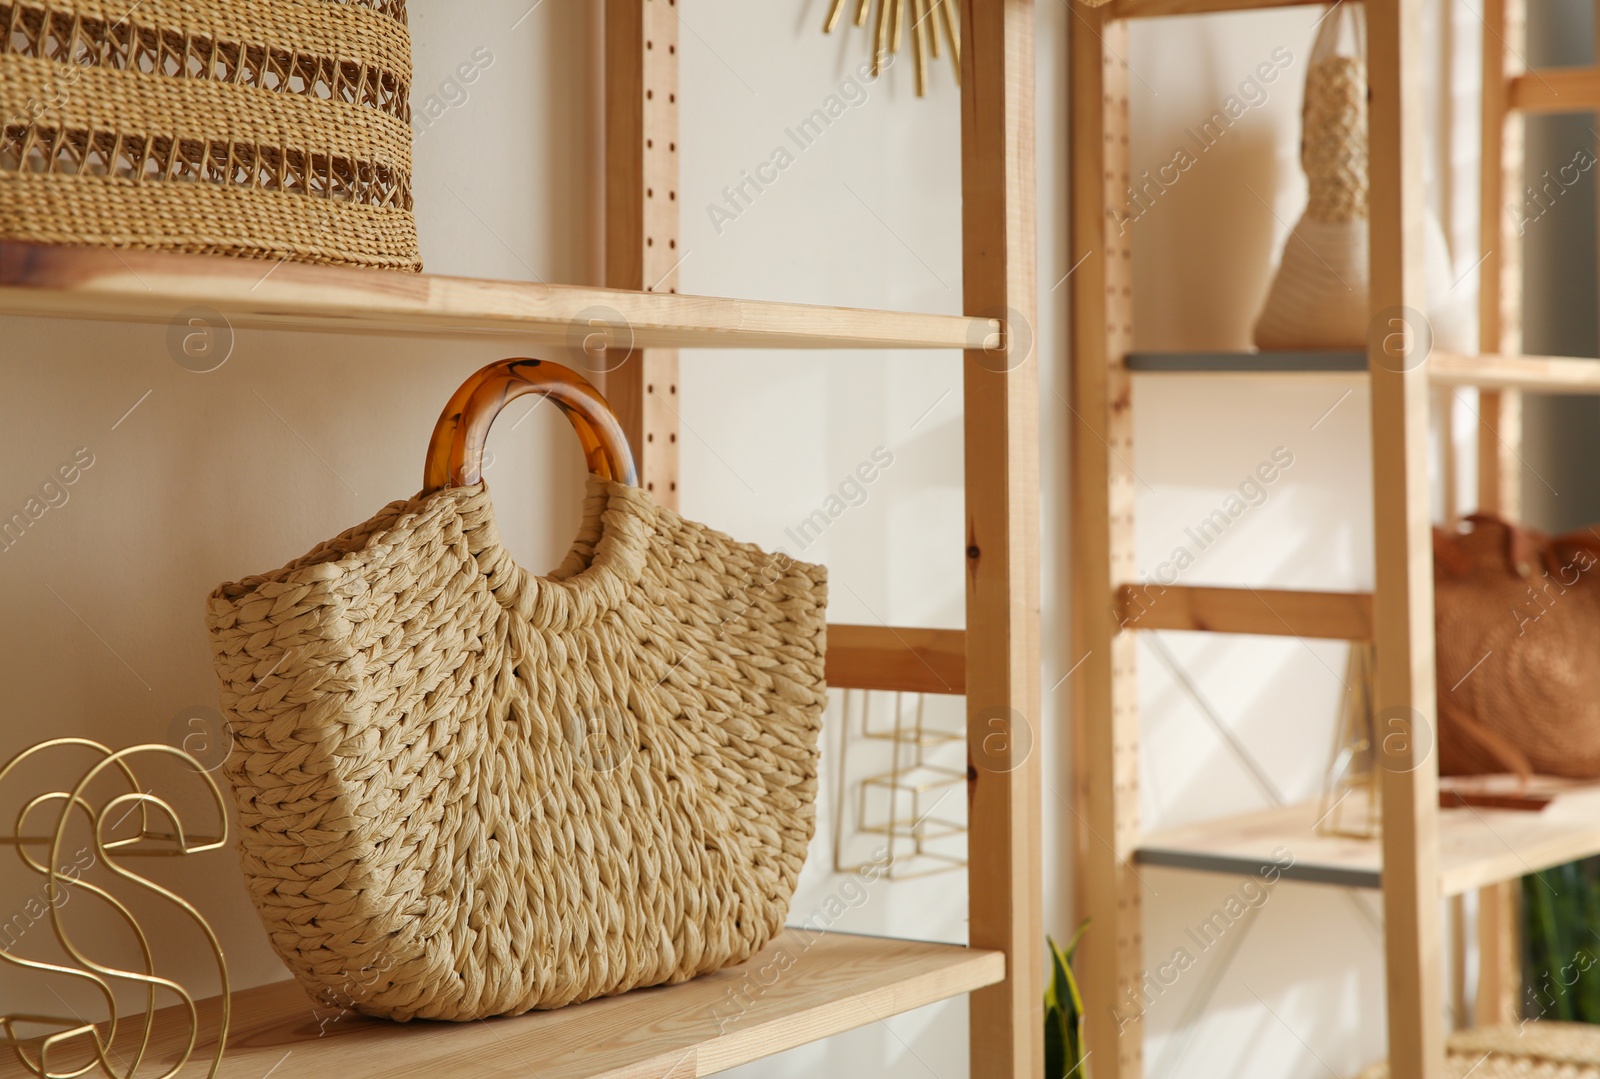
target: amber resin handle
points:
(455, 453)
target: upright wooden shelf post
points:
(1499, 420)
(1105, 691)
(1402, 520)
(1005, 878)
(1500, 276)
(641, 212)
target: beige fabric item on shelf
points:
(269, 129)
(466, 790)
(1318, 297)
(1534, 1050)
(1320, 292)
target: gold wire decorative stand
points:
(912, 791)
(1350, 795)
(156, 831)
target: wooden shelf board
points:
(1555, 89)
(829, 983)
(1539, 374)
(901, 658)
(1140, 9)
(99, 283)
(1477, 847)
(1247, 363)
(1340, 616)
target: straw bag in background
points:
(465, 790)
(1518, 629)
(1526, 1050)
(272, 129)
(1319, 297)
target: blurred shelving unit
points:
(830, 982)
(1426, 854)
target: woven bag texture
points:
(465, 790)
(271, 129)
(1318, 297)
(1535, 1050)
(1333, 149)
(1525, 607)
(1320, 293)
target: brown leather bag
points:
(1517, 618)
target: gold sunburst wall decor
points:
(932, 27)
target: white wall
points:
(866, 216)
(297, 436)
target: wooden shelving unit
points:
(831, 983)
(1426, 855)
(835, 982)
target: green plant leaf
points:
(1583, 957)
(1059, 989)
(1072, 979)
(1542, 899)
(1055, 1044)
(1063, 1034)
(1077, 938)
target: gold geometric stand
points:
(903, 804)
(1351, 804)
(124, 819)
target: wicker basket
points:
(272, 129)
(1534, 1050)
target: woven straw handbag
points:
(465, 790)
(1532, 1050)
(273, 129)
